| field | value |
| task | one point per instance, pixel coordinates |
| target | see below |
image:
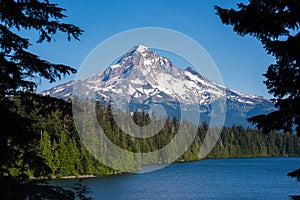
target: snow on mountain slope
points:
(143, 76)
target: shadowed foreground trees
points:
(20, 72)
(275, 23)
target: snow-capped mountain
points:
(143, 77)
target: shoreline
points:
(119, 173)
(63, 177)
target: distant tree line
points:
(63, 151)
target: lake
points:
(245, 178)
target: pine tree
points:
(46, 149)
(20, 72)
(276, 25)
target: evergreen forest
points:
(61, 147)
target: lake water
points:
(249, 178)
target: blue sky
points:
(240, 60)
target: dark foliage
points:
(21, 69)
(276, 25)
(20, 72)
(35, 190)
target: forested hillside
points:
(60, 145)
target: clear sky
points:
(240, 60)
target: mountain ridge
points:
(143, 77)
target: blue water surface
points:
(246, 178)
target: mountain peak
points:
(145, 77)
(136, 51)
(141, 48)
